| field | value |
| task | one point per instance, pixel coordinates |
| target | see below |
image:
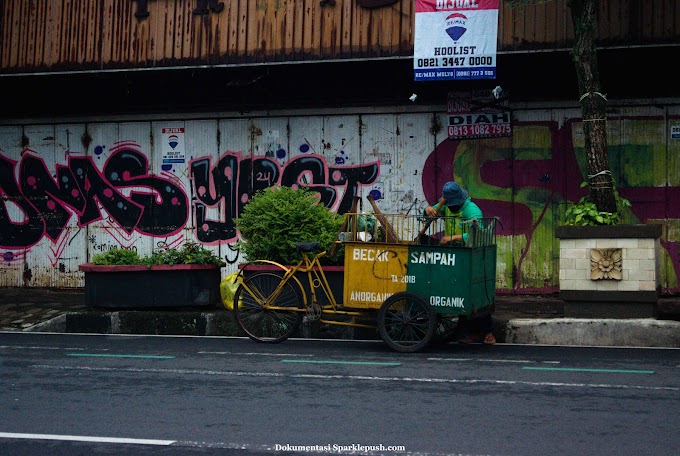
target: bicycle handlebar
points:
(428, 222)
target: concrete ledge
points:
(150, 322)
(641, 332)
(609, 231)
(589, 296)
(177, 323)
(56, 325)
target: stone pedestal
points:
(609, 271)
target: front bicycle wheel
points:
(266, 324)
(406, 322)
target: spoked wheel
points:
(406, 322)
(268, 325)
(446, 329)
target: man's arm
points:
(454, 238)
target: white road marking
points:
(311, 340)
(37, 347)
(356, 377)
(85, 438)
(249, 354)
(484, 360)
(450, 359)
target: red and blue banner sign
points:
(455, 40)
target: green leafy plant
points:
(277, 218)
(117, 255)
(585, 213)
(189, 253)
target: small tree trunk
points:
(593, 104)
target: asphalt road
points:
(102, 394)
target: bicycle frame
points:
(316, 277)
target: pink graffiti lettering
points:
(43, 204)
(227, 184)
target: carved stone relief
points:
(605, 264)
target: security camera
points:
(413, 97)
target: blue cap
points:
(454, 194)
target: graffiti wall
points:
(70, 191)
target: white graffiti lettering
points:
(369, 255)
(368, 296)
(443, 259)
(447, 301)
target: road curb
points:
(641, 332)
(553, 331)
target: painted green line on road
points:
(576, 369)
(309, 361)
(97, 355)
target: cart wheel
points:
(446, 329)
(406, 322)
(267, 325)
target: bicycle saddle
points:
(307, 246)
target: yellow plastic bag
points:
(228, 287)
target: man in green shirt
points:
(458, 204)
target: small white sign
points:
(172, 143)
(675, 131)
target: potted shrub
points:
(277, 218)
(184, 277)
(608, 269)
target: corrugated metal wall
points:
(55, 35)
(70, 191)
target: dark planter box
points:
(161, 286)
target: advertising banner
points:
(455, 39)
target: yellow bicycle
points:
(273, 304)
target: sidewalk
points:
(518, 319)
